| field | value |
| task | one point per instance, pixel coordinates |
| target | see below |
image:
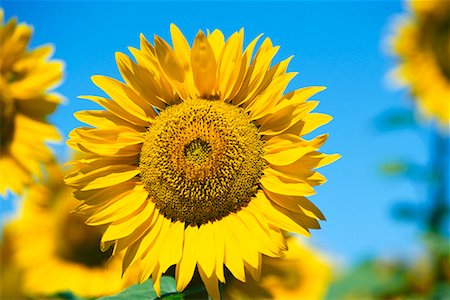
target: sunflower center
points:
(201, 160)
(436, 35)
(197, 151)
(79, 243)
(7, 114)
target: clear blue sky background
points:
(336, 44)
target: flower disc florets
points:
(201, 160)
(7, 112)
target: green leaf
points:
(370, 280)
(146, 291)
(394, 119)
(67, 295)
(407, 211)
(407, 170)
(394, 168)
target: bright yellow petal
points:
(125, 97)
(124, 227)
(185, 269)
(217, 42)
(276, 217)
(174, 246)
(205, 248)
(277, 185)
(203, 65)
(211, 284)
(229, 64)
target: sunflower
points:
(25, 78)
(10, 274)
(197, 159)
(300, 274)
(66, 248)
(422, 44)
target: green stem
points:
(437, 221)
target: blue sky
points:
(336, 44)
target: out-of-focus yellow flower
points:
(56, 251)
(25, 79)
(422, 44)
(301, 274)
(198, 159)
(10, 274)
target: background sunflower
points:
(422, 43)
(301, 274)
(54, 251)
(26, 76)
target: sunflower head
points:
(26, 76)
(212, 167)
(197, 159)
(422, 44)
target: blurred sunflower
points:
(10, 274)
(300, 274)
(25, 78)
(422, 44)
(197, 160)
(56, 251)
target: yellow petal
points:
(249, 251)
(171, 66)
(99, 198)
(219, 249)
(311, 122)
(185, 269)
(267, 100)
(138, 233)
(276, 217)
(229, 64)
(137, 243)
(141, 81)
(246, 58)
(211, 284)
(233, 259)
(183, 53)
(152, 254)
(40, 80)
(274, 184)
(156, 278)
(117, 110)
(174, 246)
(122, 228)
(256, 72)
(103, 177)
(40, 130)
(125, 97)
(205, 248)
(217, 42)
(259, 231)
(103, 119)
(122, 206)
(284, 118)
(203, 65)
(282, 151)
(41, 107)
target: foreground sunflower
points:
(422, 44)
(56, 251)
(25, 78)
(197, 160)
(300, 274)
